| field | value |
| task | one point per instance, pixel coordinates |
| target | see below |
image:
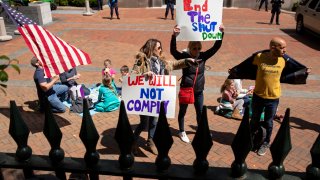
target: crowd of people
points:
(266, 69)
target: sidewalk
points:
(247, 31)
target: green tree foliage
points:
(77, 3)
(5, 62)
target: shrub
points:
(79, 3)
(5, 62)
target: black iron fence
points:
(126, 167)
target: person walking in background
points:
(265, 4)
(189, 74)
(113, 4)
(276, 10)
(149, 62)
(170, 6)
(100, 5)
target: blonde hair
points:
(226, 83)
(106, 81)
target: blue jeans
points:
(55, 99)
(198, 105)
(144, 122)
(270, 108)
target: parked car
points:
(308, 16)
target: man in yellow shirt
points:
(267, 87)
(268, 68)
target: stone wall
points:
(38, 12)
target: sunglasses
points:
(196, 49)
(159, 48)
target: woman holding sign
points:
(192, 76)
(149, 62)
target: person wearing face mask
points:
(150, 61)
(189, 74)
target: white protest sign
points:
(199, 20)
(143, 95)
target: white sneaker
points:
(183, 136)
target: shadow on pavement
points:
(35, 120)
(303, 124)
(309, 39)
(111, 145)
(262, 22)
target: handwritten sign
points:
(143, 95)
(199, 20)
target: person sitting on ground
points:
(124, 70)
(46, 88)
(243, 93)
(108, 69)
(229, 96)
(69, 77)
(108, 99)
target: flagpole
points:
(88, 12)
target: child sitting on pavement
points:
(124, 70)
(108, 99)
(229, 99)
(108, 69)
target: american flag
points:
(56, 55)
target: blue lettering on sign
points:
(151, 93)
(146, 106)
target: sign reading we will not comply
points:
(199, 20)
(143, 95)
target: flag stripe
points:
(44, 46)
(36, 47)
(69, 54)
(59, 50)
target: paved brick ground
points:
(247, 31)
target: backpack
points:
(77, 97)
(224, 109)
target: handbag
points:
(186, 94)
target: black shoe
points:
(118, 17)
(278, 24)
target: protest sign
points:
(199, 20)
(143, 95)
